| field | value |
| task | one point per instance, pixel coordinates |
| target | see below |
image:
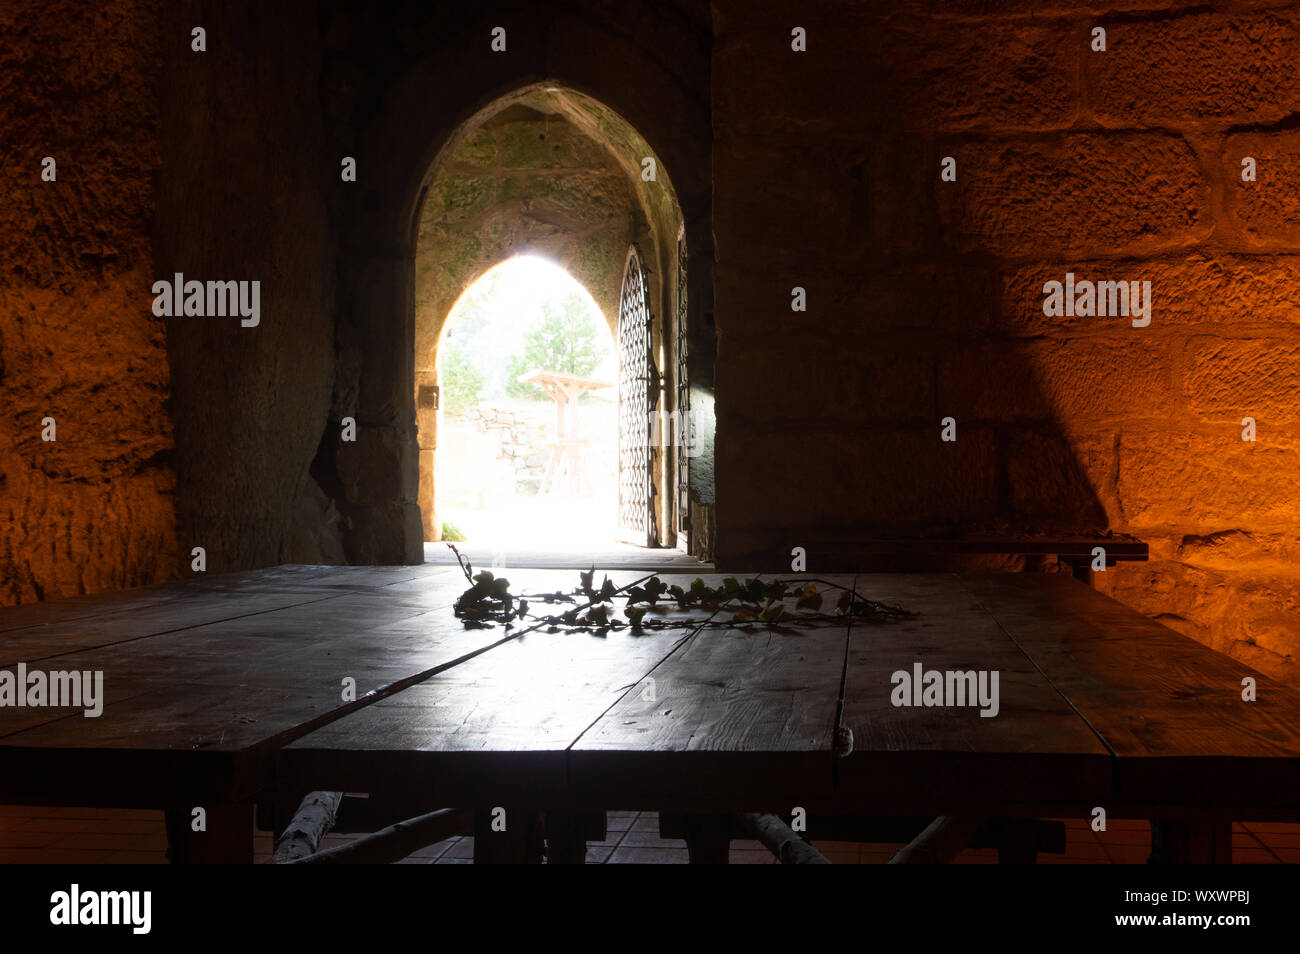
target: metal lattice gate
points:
(638, 387)
(681, 432)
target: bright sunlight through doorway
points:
(527, 449)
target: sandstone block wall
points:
(92, 510)
(925, 297)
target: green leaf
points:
(608, 590)
(635, 616)
(598, 615)
(483, 577)
(772, 613)
(809, 599)
(586, 578)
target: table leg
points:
(708, 839)
(519, 844)
(1195, 842)
(567, 834)
(1080, 568)
(1017, 841)
(227, 838)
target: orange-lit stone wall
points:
(925, 297)
(92, 509)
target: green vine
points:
(488, 601)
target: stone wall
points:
(93, 509)
(925, 297)
(242, 196)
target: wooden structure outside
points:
(566, 467)
(231, 692)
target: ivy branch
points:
(752, 601)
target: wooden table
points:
(226, 692)
(568, 449)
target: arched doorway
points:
(528, 414)
(399, 134)
(550, 171)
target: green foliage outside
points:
(568, 338)
(461, 380)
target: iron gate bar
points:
(683, 436)
(638, 387)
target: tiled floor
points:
(99, 836)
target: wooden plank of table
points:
(1170, 708)
(735, 719)
(493, 730)
(383, 627)
(497, 727)
(41, 631)
(1035, 748)
(92, 605)
(246, 686)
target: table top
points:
(222, 688)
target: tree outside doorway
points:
(507, 473)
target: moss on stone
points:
(461, 197)
(477, 149)
(524, 145)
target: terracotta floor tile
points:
(1252, 856)
(841, 856)
(1084, 852)
(13, 838)
(760, 857)
(141, 858)
(1063, 860)
(464, 848)
(651, 839)
(431, 851)
(1285, 828)
(112, 840)
(1128, 824)
(53, 856)
(627, 854)
(1128, 854)
(1125, 837)
(1277, 839)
